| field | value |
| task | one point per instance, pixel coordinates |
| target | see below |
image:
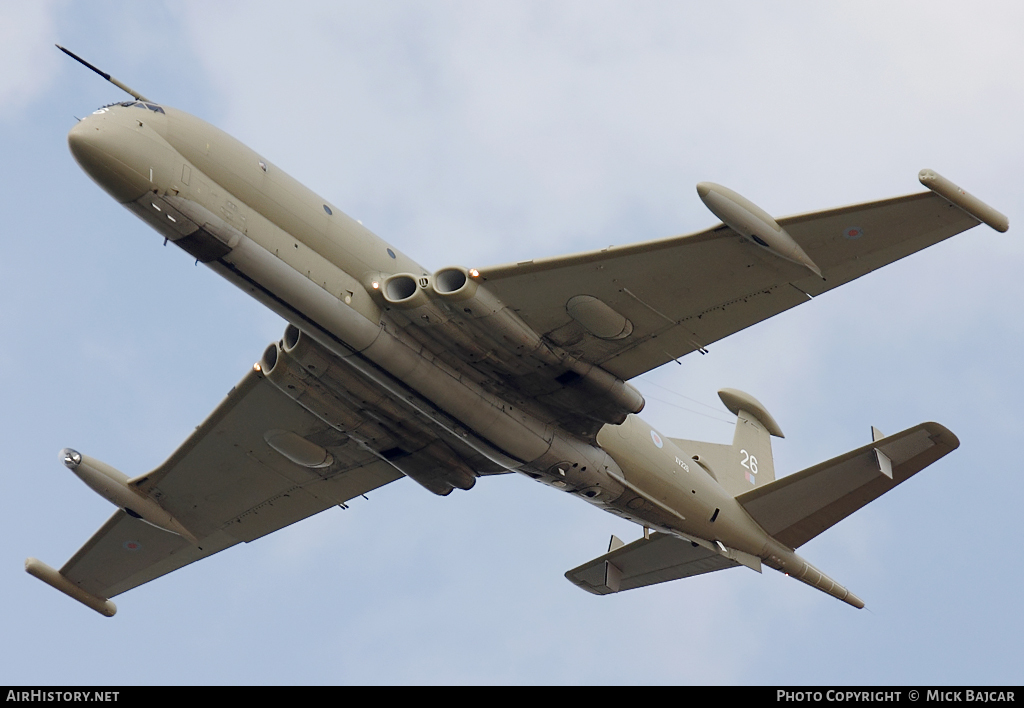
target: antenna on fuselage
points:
(138, 96)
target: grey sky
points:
(475, 133)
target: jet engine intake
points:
(413, 295)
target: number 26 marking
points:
(749, 461)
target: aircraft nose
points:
(84, 141)
(104, 151)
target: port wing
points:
(682, 294)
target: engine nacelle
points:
(462, 289)
(302, 369)
(436, 468)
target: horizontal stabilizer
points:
(798, 507)
(647, 561)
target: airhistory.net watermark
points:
(42, 696)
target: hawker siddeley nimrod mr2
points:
(387, 371)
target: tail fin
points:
(747, 463)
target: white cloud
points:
(27, 53)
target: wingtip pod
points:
(968, 202)
(54, 579)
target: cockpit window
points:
(141, 104)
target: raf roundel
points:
(657, 440)
(853, 232)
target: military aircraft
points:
(388, 371)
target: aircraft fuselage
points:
(323, 272)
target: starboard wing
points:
(225, 484)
